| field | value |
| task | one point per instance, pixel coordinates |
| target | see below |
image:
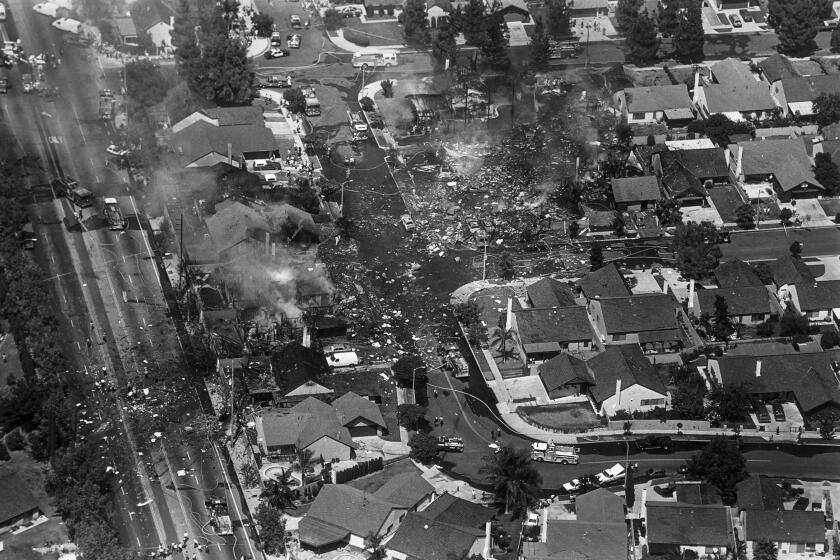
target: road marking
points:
(78, 122)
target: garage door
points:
(363, 431)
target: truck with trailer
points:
(554, 453)
(114, 215)
(106, 105)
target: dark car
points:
(778, 412)
(653, 443)
(761, 413)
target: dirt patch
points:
(642, 77)
(807, 67)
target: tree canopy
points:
(722, 327)
(558, 23)
(722, 465)
(796, 22)
(272, 529)
(495, 46)
(415, 22)
(423, 448)
(696, 246)
(540, 46)
(642, 40)
(827, 173)
(596, 257)
(473, 23)
(626, 13)
(827, 108)
(443, 45)
(516, 483)
(689, 36)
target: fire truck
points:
(453, 444)
(553, 453)
(219, 517)
(106, 105)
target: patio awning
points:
(667, 335)
(317, 533)
(683, 113)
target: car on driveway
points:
(350, 11)
(761, 414)
(294, 41)
(736, 21)
(275, 52)
(745, 16)
(779, 412)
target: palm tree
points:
(373, 542)
(516, 483)
(277, 493)
(501, 337)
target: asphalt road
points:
(109, 280)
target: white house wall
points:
(631, 399)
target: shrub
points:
(356, 37)
(367, 104)
(4, 453)
(15, 441)
(830, 339)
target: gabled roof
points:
(554, 326)
(125, 26)
(725, 98)
(579, 540)
(817, 296)
(351, 406)
(807, 88)
(657, 98)
(785, 158)
(758, 492)
(457, 511)
(295, 365)
(672, 523)
(234, 116)
(421, 537)
(776, 67)
(741, 300)
(15, 497)
(600, 506)
(604, 282)
(548, 292)
(732, 71)
(202, 138)
(702, 163)
(626, 363)
(681, 183)
(343, 508)
(405, 489)
(635, 189)
(809, 376)
(790, 526)
(587, 4)
(735, 273)
(564, 369)
(697, 493)
(639, 313)
(790, 270)
(302, 425)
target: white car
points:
(69, 25)
(572, 486)
(47, 9)
(116, 151)
(294, 42)
(612, 474)
(407, 222)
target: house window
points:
(585, 344)
(653, 402)
(797, 547)
(638, 116)
(757, 317)
(619, 337)
(710, 550)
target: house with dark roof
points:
(648, 320)
(697, 493)
(731, 71)
(409, 490)
(420, 537)
(17, 504)
(739, 102)
(125, 30)
(457, 511)
(607, 281)
(548, 292)
(382, 7)
(784, 163)
(747, 305)
(579, 540)
(793, 532)
(686, 175)
(359, 415)
(625, 380)
(295, 373)
(776, 67)
(599, 506)
(545, 332)
(674, 527)
(807, 379)
(796, 95)
(309, 425)
(636, 193)
(759, 492)
(736, 273)
(787, 270)
(343, 515)
(647, 105)
(565, 376)
(820, 301)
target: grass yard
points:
(369, 384)
(572, 416)
(379, 33)
(726, 200)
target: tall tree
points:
(796, 22)
(629, 487)
(557, 19)
(745, 216)
(793, 323)
(835, 38)
(827, 173)
(415, 22)
(272, 529)
(540, 46)
(667, 17)
(474, 23)
(424, 448)
(689, 36)
(626, 13)
(507, 266)
(765, 550)
(827, 108)
(696, 246)
(722, 465)
(722, 327)
(443, 45)
(596, 257)
(495, 46)
(516, 483)
(641, 38)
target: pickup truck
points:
(114, 215)
(610, 475)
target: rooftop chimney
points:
(758, 368)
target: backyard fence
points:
(358, 470)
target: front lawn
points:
(571, 416)
(379, 33)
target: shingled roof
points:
(740, 300)
(604, 282)
(818, 296)
(554, 327)
(790, 270)
(626, 363)
(351, 406)
(548, 292)
(15, 498)
(421, 537)
(702, 163)
(457, 511)
(636, 189)
(650, 99)
(564, 369)
(600, 506)
(736, 273)
(776, 67)
(639, 313)
(671, 523)
(785, 158)
(758, 492)
(789, 526)
(579, 540)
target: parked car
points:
(779, 412)
(295, 21)
(275, 52)
(736, 21)
(761, 414)
(653, 443)
(407, 222)
(610, 475)
(275, 81)
(350, 11)
(294, 41)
